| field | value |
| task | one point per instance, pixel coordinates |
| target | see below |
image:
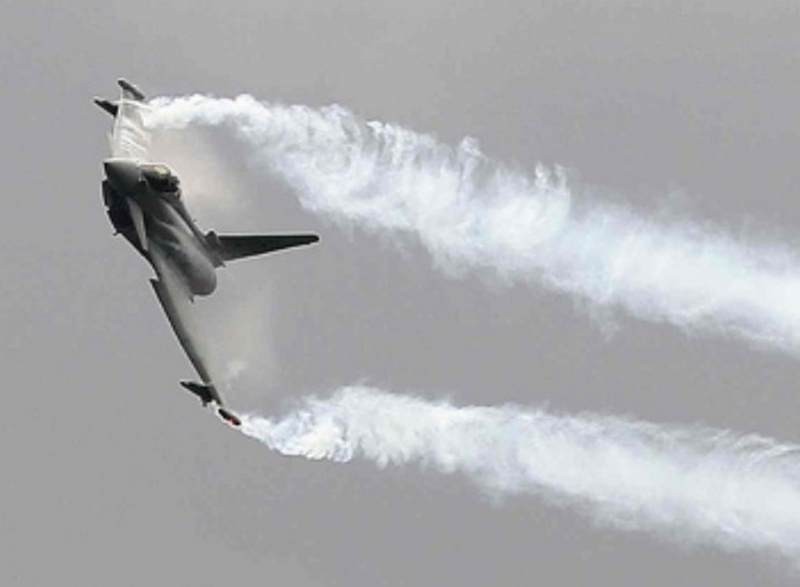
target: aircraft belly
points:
(190, 263)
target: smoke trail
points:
(715, 487)
(469, 211)
(712, 486)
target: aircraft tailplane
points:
(230, 247)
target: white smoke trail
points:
(713, 486)
(471, 212)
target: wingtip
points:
(229, 417)
(129, 87)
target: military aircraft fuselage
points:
(144, 205)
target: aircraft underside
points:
(144, 205)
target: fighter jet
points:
(144, 203)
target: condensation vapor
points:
(130, 138)
(473, 213)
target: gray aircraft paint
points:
(144, 202)
(112, 477)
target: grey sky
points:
(112, 475)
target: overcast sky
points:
(113, 475)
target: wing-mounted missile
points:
(208, 394)
(229, 417)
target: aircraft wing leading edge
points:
(236, 246)
(170, 295)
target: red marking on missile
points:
(229, 417)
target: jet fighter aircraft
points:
(145, 206)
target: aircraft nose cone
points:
(123, 174)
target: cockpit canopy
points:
(160, 178)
